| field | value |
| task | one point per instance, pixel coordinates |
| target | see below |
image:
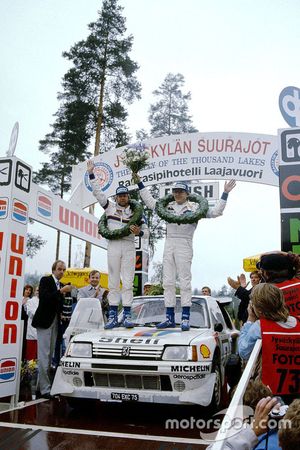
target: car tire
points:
(233, 370)
(216, 400)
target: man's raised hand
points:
(229, 185)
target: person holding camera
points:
(269, 320)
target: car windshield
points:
(151, 311)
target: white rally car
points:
(146, 364)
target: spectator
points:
(242, 293)
(45, 320)
(147, 288)
(283, 270)
(31, 335)
(27, 294)
(63, 323)
(247, 437)
(206, 290)
(289, 436)
(270, 321)
(94, 290)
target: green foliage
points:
(34, 244)
(170, 217)
(169, 115)
(95, 89)
(119, 233)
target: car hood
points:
(142, 335)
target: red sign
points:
(281, 357)
(291, 292)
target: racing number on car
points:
(293, 380)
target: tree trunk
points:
(88, 245)
(70, 252)
(57, 245)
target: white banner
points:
(52, 210)
(195, 156)
(15, 178)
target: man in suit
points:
(45, 320)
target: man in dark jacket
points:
(45, 320)
(244, 294)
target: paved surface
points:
(52, 424)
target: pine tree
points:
(169, 115)
(95, 91)
(33, 244)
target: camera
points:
(279, 413)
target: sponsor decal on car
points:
(189, 368)
(204, 350)
(197, 376)
(155, 332)
(70, 372)
(121, 340)
(74, 364)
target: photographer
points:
(270, 321)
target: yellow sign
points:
(249, 264)
(80, 277)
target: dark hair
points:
(206, 287)
(93, 272)
(54, 265)
(28, 286)
(255, 272)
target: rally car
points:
(146, 364)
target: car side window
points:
(217, 318)
(226, 317)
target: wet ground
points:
(52, 424)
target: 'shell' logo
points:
(7, 369)
(19, 211)
(3, 207)
(44, 206)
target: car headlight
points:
(80, 350)
(176, 353)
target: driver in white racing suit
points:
(178, 250)
(120, 252)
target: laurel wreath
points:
(189, 217)
(136, 219)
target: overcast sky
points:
(236, 57)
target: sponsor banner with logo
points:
(51, 210)
(15, 182)
(195, 156)
(289, 170)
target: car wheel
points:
(233, 370)
(216, 400)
